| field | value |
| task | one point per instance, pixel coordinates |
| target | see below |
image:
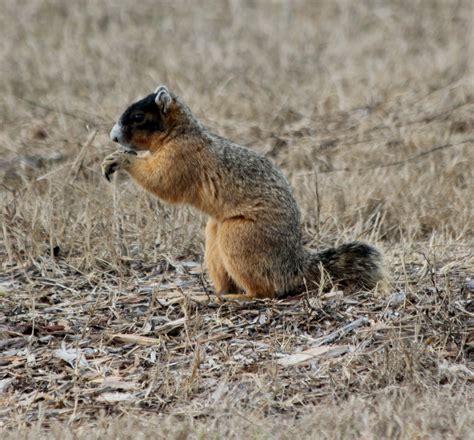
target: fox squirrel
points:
(253, 237)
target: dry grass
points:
(107, 323)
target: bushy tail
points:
(352, 264)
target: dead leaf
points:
(313, 353)
(5, 384)
(116, 397)
(136, 339)
(71, 356)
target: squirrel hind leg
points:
(221, 280)
(250, 292)
(218, 274)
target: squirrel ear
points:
(163, 98)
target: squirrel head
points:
(145, 124)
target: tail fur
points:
(352, 264)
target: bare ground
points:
(108, 324)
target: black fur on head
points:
(142, 120)
(143, 115)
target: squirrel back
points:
(253, 236)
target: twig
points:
(399, 162)
(61, 111)
(340, 332)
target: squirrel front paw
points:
(118, 160)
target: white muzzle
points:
(116, 133)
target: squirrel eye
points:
(138, 117)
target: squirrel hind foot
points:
(235, 297)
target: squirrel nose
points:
(115, 133)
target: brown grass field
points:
(108, 325)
